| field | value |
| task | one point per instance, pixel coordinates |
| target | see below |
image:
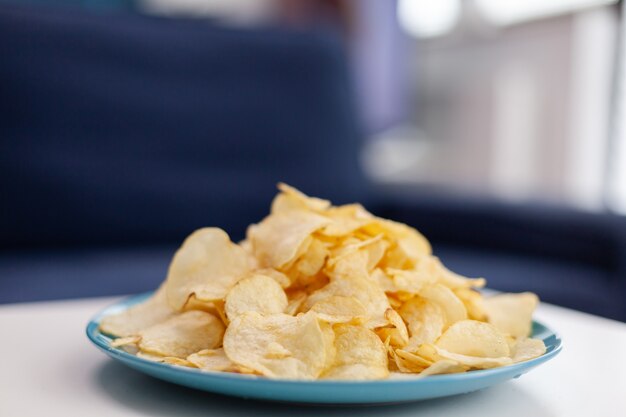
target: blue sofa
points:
(120, 134)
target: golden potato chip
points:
(212, 360)
(385, 283)
(220, 307)
(375, 253)
(128, 344)
(473, 302)
(141, 316)
(409, 241)
(444, 366)
(398, 334)
(394, 301)
(290, 270)
(350, 246)
(170, 360)
(474, 338)
(279, 237)
(425, 321)
(253, 262)
(329, 343)
(410, 362)
(253, 340)
(511, 313)
(466, 360)
(338, 309)
(350, 279)
(360, 354)
(428, 352)
(282, 279)
(215, 307)
(409, 281)
(312, 283)
(207, 265)
(293, 199)
(447, 300)
(346, 219)
(526, 349)
(313, 260)
(296, 299)
(182, 335)
(258, 293)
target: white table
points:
(49, 368)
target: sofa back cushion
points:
(120, 128)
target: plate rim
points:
(100, 340)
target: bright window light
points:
(509, 12)
(428, 18)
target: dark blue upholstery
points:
(129, 129)
(72, 273)
(120, 134)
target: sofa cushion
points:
(59, 274)
(120, 128)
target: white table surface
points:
(49, 368)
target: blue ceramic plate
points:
(321, 392)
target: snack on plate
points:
(323, 292)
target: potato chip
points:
(253, 262)
(252, 339)
(350, 279)
(425, 321)
(428, 352)
(526, 349)
(410, 362)
(375, 253)
(258, 293)
(396, 300)
(473, 302)
(296, 299)
(128, 344)
(409, 241)
(410, 281)
(293, 199)
(474, 338)
(215, 307)
(170, 360)
(469, 361)
(313, 260)
(278, 238)
(337, 309)
(182, 335)
(448, 301)
(346, 219)
(444, 366)
(398, 334)
(212, 360)
(282, 279)
(141, 316)
(207, 265)
(385, 283)
(360, 354)
(350, 246)
(511, 313)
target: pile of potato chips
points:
(323, 292)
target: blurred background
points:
(494, 127)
